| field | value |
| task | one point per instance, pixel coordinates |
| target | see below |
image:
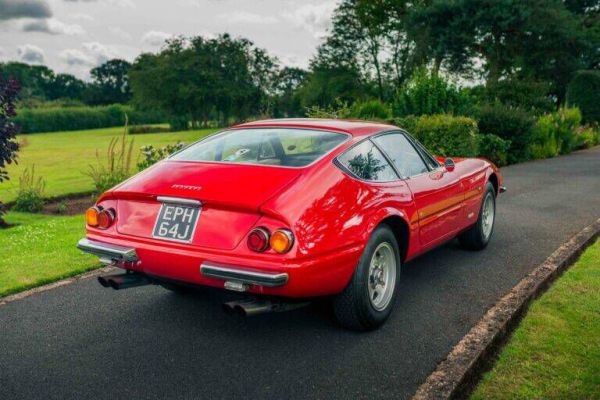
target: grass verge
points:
(41, 249)
(555, 351)
(63, 158)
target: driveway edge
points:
(54, 285)
(460, 371)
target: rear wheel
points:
(367, 301)
(479, 235)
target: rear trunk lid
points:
(231, 195)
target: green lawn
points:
(555, 352)
(63, 158)
(41, 249)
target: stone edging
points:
(457, 375)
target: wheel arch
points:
(493, 178)
(401, 231)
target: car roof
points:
(355, 128)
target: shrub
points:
(79, 118)
(141, 129)
(509, 123)
(152, 155)
(556, 133)
(528, 95)
(117, 166)
(371, 110)
(582, 92)
(30, 197)
(586, 137)
(446, 135)
(338, 111)
(494, 148)
(431, 94)
(179, 124)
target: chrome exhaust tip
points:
(252, 307)
(124, 281)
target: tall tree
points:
(110, 83)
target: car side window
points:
(402, 153)
(366, 162)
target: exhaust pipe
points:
(123, 281)
(251, 307)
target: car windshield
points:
(265, 146)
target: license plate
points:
(176, 223)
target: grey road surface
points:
(86, 342)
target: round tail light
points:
(258, 240)
(282, 240)
(106, 218)
(91, 216)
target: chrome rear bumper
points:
(108, 253)
(243, 276)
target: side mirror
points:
(449, 164)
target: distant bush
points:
(371, 110)
(587, 137)
(509, 123)
(179, 124)
(79, 118)
(115, 168)
(142, 129)
(30, 197)
(582, 92)
(556, 133)
(340, 110)
(152, 155)
(528, 95)
(431, 94)
(447, 135)
(494, 148)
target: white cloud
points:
(245, 17)
(121, 33)
(314, 18)
(30, 53)
(81, 17)
(156, 38)
(91, 54)
(53, 27)
(120, 3)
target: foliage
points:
(30, 197)
(192, 78)
(325, 86)
(340, 110)
(586, 137)
(371, 110)
(529, 95)
(8, 129)
(583, 92)
(446, 135)
(142, 129)
(62, 207)
(152, 155)
(430, 94)
(287, 102)
(110, 83)
(78, 118)
(494, 148)
(511, 124)
(117, 165)
(556, 133)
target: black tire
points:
(353, 308)
(475, 238)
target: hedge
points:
(583, 92)
(79, 118)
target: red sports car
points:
(293, 209)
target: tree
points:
(9, 90)
(110, 83)
(287, 102)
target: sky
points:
(74, 36)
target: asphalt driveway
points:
(83, 341)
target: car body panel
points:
(330, 213)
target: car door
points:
(438, 193)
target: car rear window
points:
(264, 146)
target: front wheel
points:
(367, 301)
(479, 235)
